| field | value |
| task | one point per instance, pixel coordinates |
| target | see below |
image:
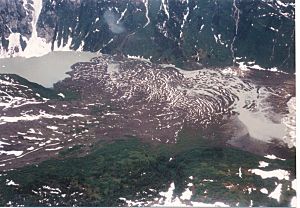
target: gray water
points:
(45, 70)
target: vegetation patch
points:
(134, 170)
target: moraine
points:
(131, 96)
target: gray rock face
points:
(15, 17)
(212, 33)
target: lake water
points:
(45, 70)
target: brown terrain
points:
(116, 96)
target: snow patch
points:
(61, 95)
(290, 122)
(146, 3)
(276, 193)
(263, 164)
(12, 152)
(273, 157)
(264, 191)
(165, 6)
(11, 183)
(187, 194)
(280, 174)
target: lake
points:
(45, 70)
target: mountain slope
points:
(211, 32)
